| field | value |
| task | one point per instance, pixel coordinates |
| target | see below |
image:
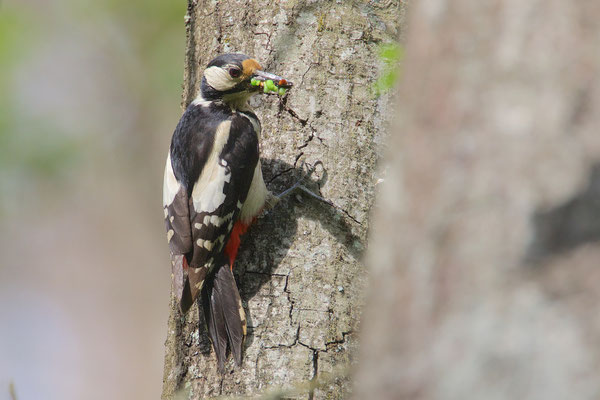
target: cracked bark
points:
(299, 269)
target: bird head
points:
(233, 78)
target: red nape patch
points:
(234, 241)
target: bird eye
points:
(235, 72)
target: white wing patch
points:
(170, 184)
(207, 244)
(207, 194)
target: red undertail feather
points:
(231, 249)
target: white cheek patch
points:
(219, 79)
(208, 194)
(170, 184)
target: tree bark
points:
(486, 247)
(298, 270)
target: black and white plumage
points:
(213, 189)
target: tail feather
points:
(233, 312)
(216, 324)
(225, 315)
(187, 282)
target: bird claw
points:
(270, 202)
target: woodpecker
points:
(213, 190)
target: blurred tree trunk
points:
(486, 255)
(299, 269)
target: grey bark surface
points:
(485, 258)
(299, 268)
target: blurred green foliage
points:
(156, 31)
(14, 39)
(391, 55)
(142, 43)
(26, 146)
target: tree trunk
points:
(486, 253)
(298, 270)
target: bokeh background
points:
(91, 92)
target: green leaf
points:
(391, 55)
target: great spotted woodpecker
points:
(213, 190)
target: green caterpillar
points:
(268, 86)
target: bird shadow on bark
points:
(268, 241)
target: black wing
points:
(213, 156)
